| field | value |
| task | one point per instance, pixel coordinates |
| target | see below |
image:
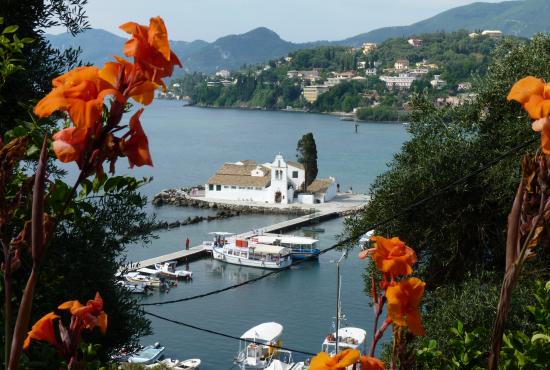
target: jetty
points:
(343, 204)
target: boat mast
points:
(338, 304)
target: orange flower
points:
(150, 48)
(371, 363)
(403, 300)
(80, 92)
(91, 314)
(42, 330)
(391, 256)
(69, 143)
(337, 362)
(534, 95)
(123, 74)
(136, 148)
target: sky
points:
(293, 20)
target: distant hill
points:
(519, 18)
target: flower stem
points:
(378, 335)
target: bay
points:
(188, 145)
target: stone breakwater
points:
(181, 198)
(194, 220)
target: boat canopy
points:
(357, 334)
(148, 271)
(366, 237)
(286, 239)
(221, 233)
(269, 249)
(267, 332)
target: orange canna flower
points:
(337, 362)
(80, 92)
(42, 330)
(391, 256)
(150, 48)
(534, 95)
(371, 363)
(136, 148)
(135, 84)
(403, 300)
(69, 144)
(91, 314)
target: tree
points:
(306, 153)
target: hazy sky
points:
(293, 20)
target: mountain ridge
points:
(259, 45)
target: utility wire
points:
(353, 238)
(223, 334)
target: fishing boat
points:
(147, 355)
(136, 277)
(256, 346)
(245, 253)
(136, 288)
(168, 269)
(169, 363)
(347, 337)
(300, 246)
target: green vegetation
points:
(454, 56)
(306, 153)
(462, 232)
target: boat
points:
(136, 277)
(136, 288)
(301, 247)
(280, 365)
(219, 238)
(256, 346)
(169, 363)
(245, 253)
(147, 355)
(168, 269)
(347, 337)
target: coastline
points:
(297, 110)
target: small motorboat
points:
(257, 346)
(280, 365)
(136, 277)
(147, 355)
(169, 363)
(168, 269)
(136, 288)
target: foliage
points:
(342, 98)
(306, 154)
(469, 349)
(464, 229)
(381, 113)
(333, 58)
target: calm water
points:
(188, 145)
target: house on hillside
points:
(275, 182)
(223, 73)
(403, 81)
(414, 42)
(401, 64)
(492, 33)
(311, 93)
(368, 47)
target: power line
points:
(353, 238)
(224, 334)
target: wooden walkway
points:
(279, 227)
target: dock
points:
(332, 210)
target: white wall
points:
(305, 198)
(301, 176)
(228, 193)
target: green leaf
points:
(542, 337)
(10, 29)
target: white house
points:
(274, 182)
(403, 81)
(401, 64)
(223, 73)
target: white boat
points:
(255, 347)
(168, 269)
(147, 355)
(280, 365)
(169, 363)
(136, 288)
(219, 238)
(300, 246)
(244, 253)
(136, 277)
(348, 338)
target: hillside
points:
(519, 18)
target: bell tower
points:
(279, 180)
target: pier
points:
(342, 205)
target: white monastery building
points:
(276, 182)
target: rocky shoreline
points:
(194, 220)
(181, 198)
